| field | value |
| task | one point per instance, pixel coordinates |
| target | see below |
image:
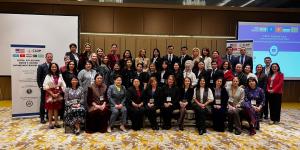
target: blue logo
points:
(273, 50)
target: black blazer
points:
(181, 64)
(203, 73)
(132, 96)
(165, 76)
(248, 61)
(233, 60)
(188, 95)
(224, 98)
(172, 92)
(218, 73)
(67, 76)
(143, 77)
(157, 63)
(42, 72)
(179, 78)
(172, 62)
(147, 95)
(72, 57)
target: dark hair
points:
(98, 49)
(136, 78)
(72, 45)
(249, 67)
(75, 77)
(169, 46)
(257, 66)
(223, 81)
(175, 83)
(57, 71)
(165, 62)
(98, 74)
(75, 66)
(130, 56)
(267, 58)
(183, 85)
(251, 79)
(90, 62)
(271, 70)
(198, 84)
(228, 47)
(205, 49)
(178, 65)
(216, 51)
(114, 44)
(116, 77)
(156, 49)
(140, 64)
(48, 54)
(214, 62)
(184, 47)
(229, 65)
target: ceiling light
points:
(249, 2)
(223, 3)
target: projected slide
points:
(280, 41)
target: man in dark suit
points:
(214, 74)
(42, 71)
(184, 57)
(229, 57)
(241, 75)
(170, 57)
(267, 67)
(244, 59)
(73, 55)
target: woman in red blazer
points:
(274, 92)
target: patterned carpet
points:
(29, 134)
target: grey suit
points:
(116, 97)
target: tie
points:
(229, 57)
(242, 59)
(169, 57)
(182, 57)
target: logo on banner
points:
(29, 91)
(20, 50)
(15, 55)
(29, 103)
(273, 50)
(40, 55)
(22, 55)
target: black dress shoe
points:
(237, 132)
(201, 132)
(181, 128)
(43, 121)
(57, 126)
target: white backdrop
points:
(55, 32)
(25, 33)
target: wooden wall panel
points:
(158, 21)
(98, 42)
(215, 23)
(176, 42)
(130, 44)
(128, 20)
(187, 22)
(162, 45)
(191, 43)
(98, 19)
(5, 88)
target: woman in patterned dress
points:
(74, 104)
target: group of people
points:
(96, 89)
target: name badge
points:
(169, 99)
(101, 98)
(162, 80)
(253, 102)
(151, 100)
(131, 80)
(184, 100)
(211, 81)
(218, 101)
(57, 87)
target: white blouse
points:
(49, 82)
